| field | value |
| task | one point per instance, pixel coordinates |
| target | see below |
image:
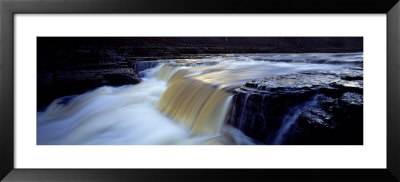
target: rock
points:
(317, 117)
(352, 99)
(143, 65)
(326, 107)
(70, 82)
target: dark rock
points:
(143, 65)
(252, 84)
(63, 83)
(352, 99)
(163, 46)
(325, 107)
(317, 117)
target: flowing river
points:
(178, 101)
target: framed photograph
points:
(129, 90)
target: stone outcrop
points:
(324, 107)
(59, 58)
(52, 85)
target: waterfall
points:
(130, 114)
(166, 71)
(193, 103)
(197, 101)
(140, 66)
(290, 118)
(197, 106)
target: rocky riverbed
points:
(319, 107)
(273, 99)
(263, 90)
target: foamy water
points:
(120, 116)
(177, 102)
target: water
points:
(121, 116)
(290, 119)
(178, 102)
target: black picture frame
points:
(8, 8)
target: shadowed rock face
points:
(323, 107)
(69, 82)
(139, 66)
(193, 45)
(61, 60)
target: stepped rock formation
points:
(322, 107)
(72, 56)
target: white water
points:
(120, 116)
(129, 114)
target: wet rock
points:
(143, 65)
(352, 99)
(252, 84)
(317, 117)
(326, 107)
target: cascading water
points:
(195, 105)
(290, 119)
(127, 115)
(140, 66)
(178, 102)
